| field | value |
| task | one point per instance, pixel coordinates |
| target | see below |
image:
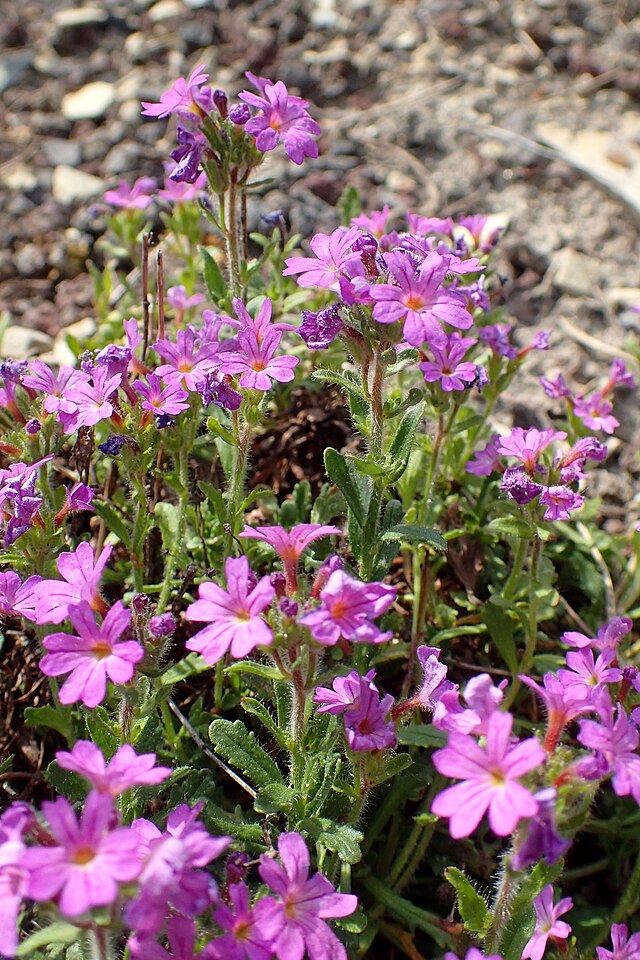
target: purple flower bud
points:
(237, 866)
(279, 583)
(79, 497)
(239, 114)
(12, 370)
(289, 607)
(320, 329)
(33, 427)
(140, 604)
(162, 626)
(114, 444)
(482, 378)
(521, 488)
(220, 99)
(213, 388)
(164, 420)
(541, 840)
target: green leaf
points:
(241, 749)
(113, 521)
(511, 527)
(340, 838)
(102, 730)
(369, 468)
(48, 716)
(257, 709)
(416, 533)
(213, 278)
(189, 666)
(223, 822)
(473, 909)
(275, 798)
(500, 630)
(400, 449)
(69, 785)
(404, 910)
(214, 426)
(168, 519)
(350, 205)
(254, 669)
(421, 735)
(517, 932)
(343, 378)
(392, 767)
(60, 932)
(342, 474)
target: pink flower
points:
(560, 705)
(251, 933)
(305, 903)
(482, 699)
(419, 298)
(559, 500)
(283, 119)
(347, 609)
(586, 674)
(92, 656)
(547, 923)
(233, 614)
(90, 860)
(334, 257)
(18, 598)
(169, 400)
(172, 874)
(184, 97)
(125, 769)
(256, 361)
(181, 934)
(448, 366)
(290, 544)
(188, 360)
(527, 445)
(485, 461)
(595, 412)
(366, 714)
(625, 947)
(81, 579)
(616, 742)
(178, 299)
(490, 779)
(14, 877)
(137, 197)
(374, 223)
(608, 635)
(93, 401)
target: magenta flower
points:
(137, 197)
(17, 598)
(547, 923)
(92, 656)
(283, 118)
(625, 947)
(619, 376)
(485, 461)
(608, 636)
(448, 366)
(473, 954)
(374, 223)
(434, 678)
(290, 544)
(81, 581)
(183, 192)
(125, 769)
(169, 400)
(90, 860)
(14, 877)
(541, 840)
(256, 361)
(188, 361)
(595, 412)
(54, 386)
(559, 500)
(184, 97)
(178, 299)
(233, 614)
(586, 674)
(490, 779)
(426, 226)
(419, 298)
(343, 693)
(366, 714)
(561, 707)
(482, 699)
(252, 933)
(320, 329)
(527, 445)
(333, 257)
(93, 401)
(615, 743)
(181, 934)
(172, 874)
(555, 388)
(19, 502)
(347, 609)
(306, 902)
(571, 466)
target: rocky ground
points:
(438, 106)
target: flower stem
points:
(182, 467)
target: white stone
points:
(70, 185)
(18, 343)
(20, 178)
(165, 10)
(89, 102)
(574, 273)
(79, 17)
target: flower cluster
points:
(595, 410)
